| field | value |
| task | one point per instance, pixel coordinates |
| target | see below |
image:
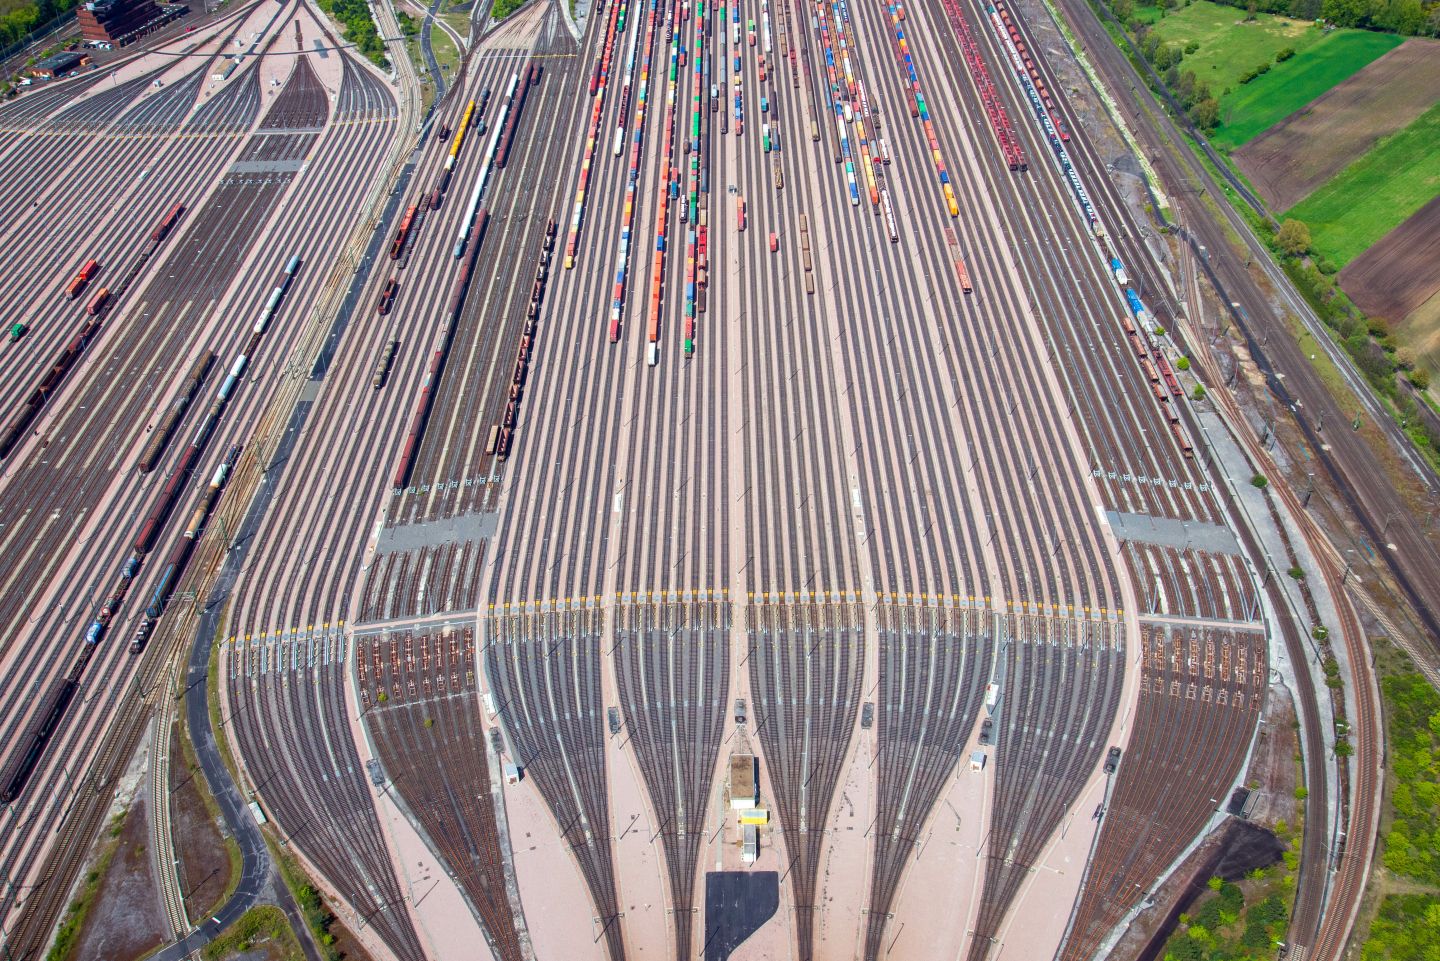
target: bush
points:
(1254, 72)
(1297, 573)
(1283, 55)
(1407, 928)
(1419, 378)
(1192, 46)
(1259, 481)
(1412, 845)
(1198, 392)
(1183, 363)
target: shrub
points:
(1283, 55)
(1183, 363)
(1259, 481)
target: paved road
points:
(425, 29)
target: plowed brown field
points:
(1399, 273)
(1307, 148)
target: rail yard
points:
(743, 440)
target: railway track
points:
(805, 683)
(74, 834)
(429, 739)
(671, 671)
(545, 674)
(162, 852)
(932, 677)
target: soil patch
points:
(125, 922)
(1398, 274)
(1274, 772)
(346, 944)
(199, 845)
(1420, 334)
(1288, 161)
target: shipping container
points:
(87, 273)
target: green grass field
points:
(1251, 109)
(446, 55)
(1146, 14)
(1228, 45)
(1373, 195)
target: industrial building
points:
(744, 782)
(59, 65)
(117, 22)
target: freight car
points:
(382, 367)
(397, 246)
(387, 296)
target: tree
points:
(1150, 46)
(1346, 13)
(1206, 113)
(1184, 87)
(1294, 237)
(1420, 378)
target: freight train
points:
(160, 436)
(32, 744)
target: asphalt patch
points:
(737, 903)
